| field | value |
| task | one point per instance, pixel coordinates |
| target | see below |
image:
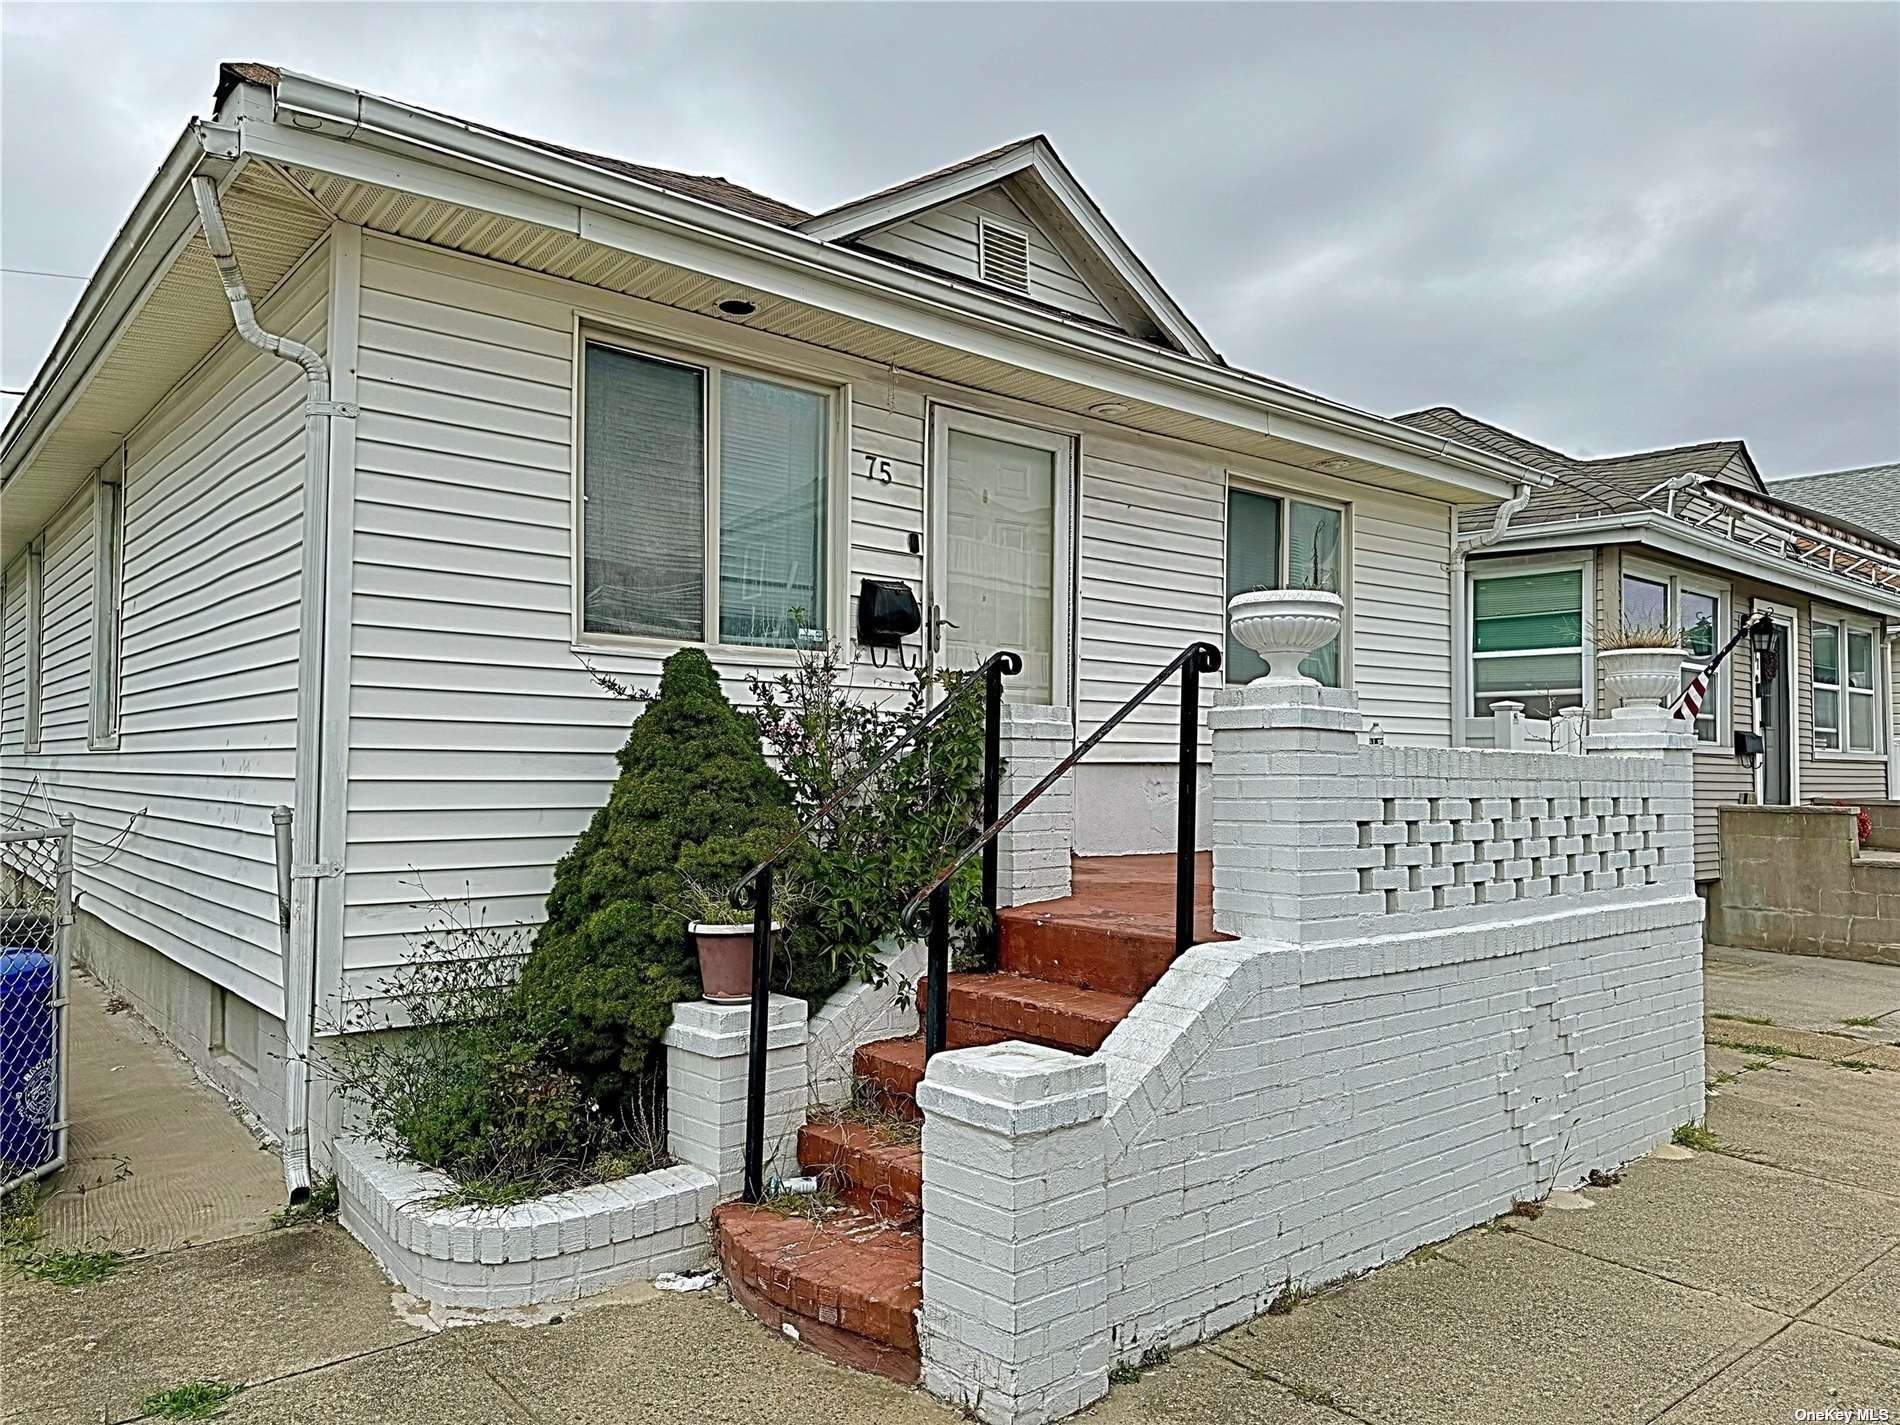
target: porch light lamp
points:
(1761, 640)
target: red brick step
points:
(894, 1067)
(865, 1168)
(1113, 933)
(850, 1284)
(989, 1008)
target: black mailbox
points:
(1748, 744)
(887, 612)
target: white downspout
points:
(299, 940)
(1460, 619)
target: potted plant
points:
(722, 935)
(1642, 663)
(1283, 626)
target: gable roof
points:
(1869, 496)
(1584, 489)
(1032, 167)
(707, 187)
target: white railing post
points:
(1507, 721)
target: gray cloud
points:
(1609, 226)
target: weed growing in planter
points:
(468, 1087)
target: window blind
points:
(771, 513)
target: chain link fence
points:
(36, 917)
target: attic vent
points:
(1004, 256)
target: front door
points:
(1774, 718)
(1000, 562)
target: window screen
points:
(771, 508)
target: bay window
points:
(689, 466)
(1846, 695)
(1527, 641)
(1282, 543)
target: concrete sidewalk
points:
(1736, 1285)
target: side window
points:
(1527, 641)
(1699, 620)
(1863, 699)
(1827, 686)
(108, 544)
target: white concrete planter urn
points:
(1283, 626)
(1642, 677)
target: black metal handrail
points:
(1192, 661)
(754, 889)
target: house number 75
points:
(877, 467)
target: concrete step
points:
(849, 1283)
(869, 1169)
(993, 1007)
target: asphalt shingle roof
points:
(1868, 496)
(1584, 489)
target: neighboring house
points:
(1868, 497)
(1641, 539)
(576, 410)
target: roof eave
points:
(161, 222)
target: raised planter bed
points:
(549, 1249)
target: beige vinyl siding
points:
(1721, 778)
(213, 501)
(945, 238)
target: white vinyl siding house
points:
(570, 431)
(206, 664)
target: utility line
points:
(42, 272)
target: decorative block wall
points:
(1032, 857)
(1463, 978)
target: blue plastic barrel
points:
(29, 1066)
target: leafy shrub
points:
(470, 1088)
(885, 842)
(694, 798)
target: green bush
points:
(864, 863)
(694, 798)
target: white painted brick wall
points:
(553, 1249)
(1032, 854)
(1361, 1074)
(706, 1049)
(860, 1013)
(1014, 1322)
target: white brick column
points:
(1032, 854)
(706, 1085)
(1014, 1325)
(1286, 794)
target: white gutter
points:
(1460, 616)
(319, 108)
(299, 936)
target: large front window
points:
(1527, 641)
(1275, 543)
(690, 466)
(1678, 608)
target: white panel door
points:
(1001, 557)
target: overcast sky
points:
(1608, 227)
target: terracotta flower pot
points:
(1283, 626)
(725, 960)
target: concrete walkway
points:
(1737, 1285)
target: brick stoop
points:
(850, 1283)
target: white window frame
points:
(1477, 570)
(35, 631)
(108, 584)
(1676, 582)
(1842, 623)
(712, 363)
(1249, 483)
